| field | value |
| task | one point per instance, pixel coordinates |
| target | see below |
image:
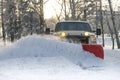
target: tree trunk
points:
(31, 22)
(85, 13)
(101, 22)
(42, 22)
(3, 29)
(111, 32)
(114, 26)
(65, 10)
(72, 8)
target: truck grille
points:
(81, 39)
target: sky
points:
(47, 58)
(51, 8)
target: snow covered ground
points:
(44, 58)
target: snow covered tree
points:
(10, 18)
(22, 17)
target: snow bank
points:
(46, 46)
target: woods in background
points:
(23, 17)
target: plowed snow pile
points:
(35, 46)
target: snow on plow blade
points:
(97, 49)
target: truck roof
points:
(74, 21)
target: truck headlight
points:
(86, 34)
(62, 34)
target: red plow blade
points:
(97, 49)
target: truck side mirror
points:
(98, 32)
(47, 31)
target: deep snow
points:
(44, 58)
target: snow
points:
(46, 58)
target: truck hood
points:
(77, 33)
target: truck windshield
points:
(67, 26)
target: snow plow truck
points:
(80, 32)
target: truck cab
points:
(75, 32)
